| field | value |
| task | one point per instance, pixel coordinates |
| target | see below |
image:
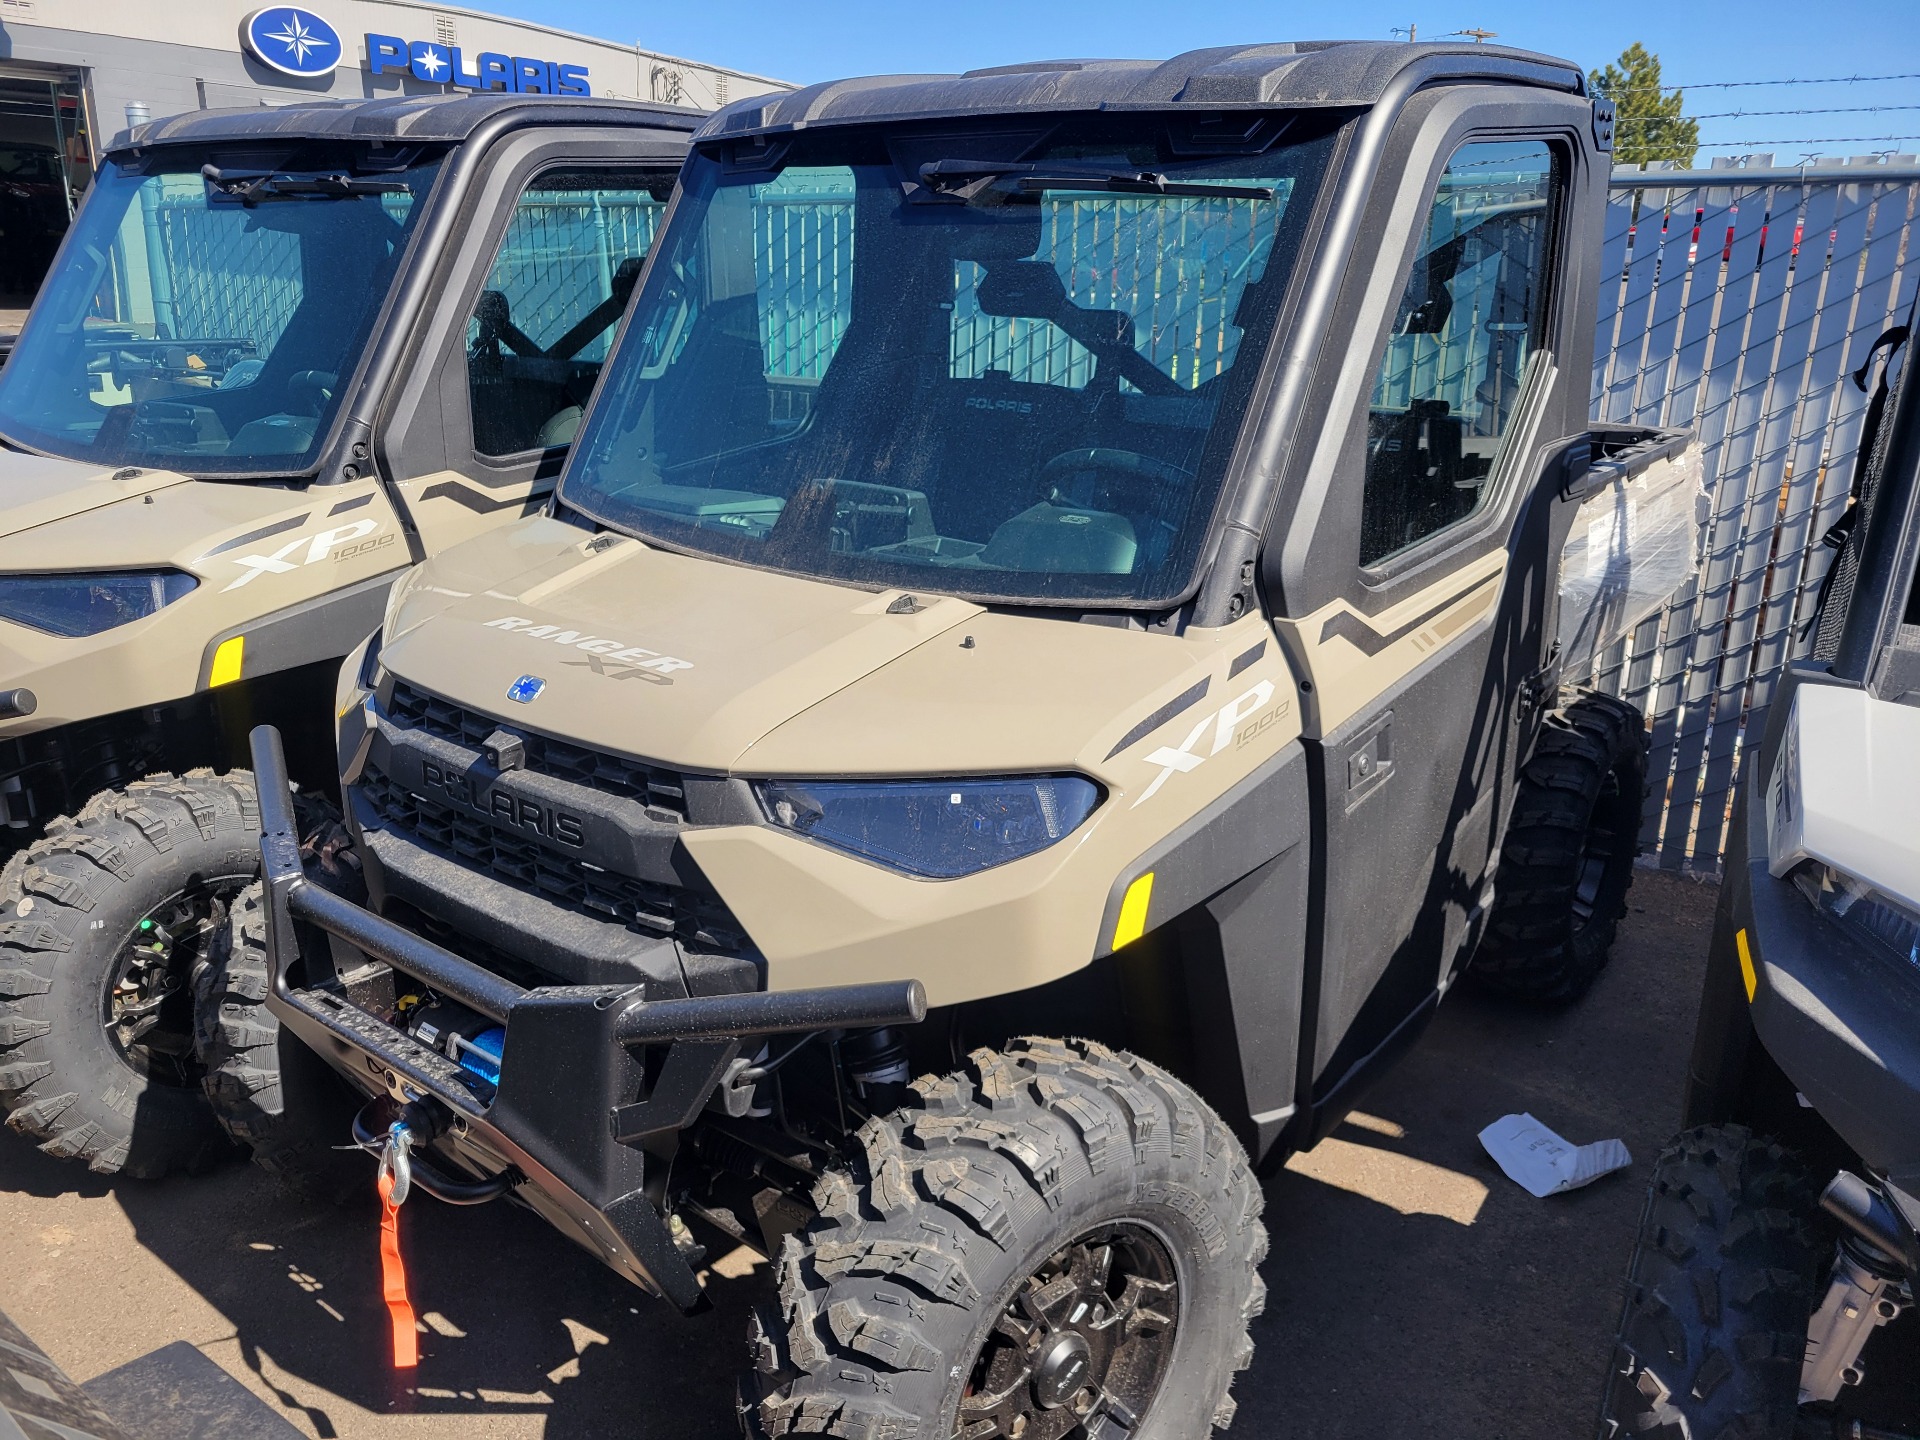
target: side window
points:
(1469, 322)
(546, 316)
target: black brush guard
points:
(593, 1076)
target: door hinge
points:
(1539, 689)
(1603, 113)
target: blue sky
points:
(1757, 40)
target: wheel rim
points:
(1083, 1347)
(1600, 851)
(147, 1007)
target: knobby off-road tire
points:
(270, 1092)
(1567, 859)
(96, 1033)
(1719, 1291)
(1054, 1218)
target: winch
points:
(471, 1040)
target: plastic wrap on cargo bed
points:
(1634, 543)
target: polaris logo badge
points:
(526, 689)
(543, 820)
(605, 653)
(292, 41)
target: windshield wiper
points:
(251, 187)
(963, 179)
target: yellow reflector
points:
(226, 661)
(1746, 963)
(1133, 912)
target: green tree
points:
(1649, 124)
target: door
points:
(522, 334)
(46, 162)
(1426, 619)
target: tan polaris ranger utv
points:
(283, 355)
(1067, 551)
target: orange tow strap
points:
(393, 1281)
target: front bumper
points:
(1840, 1018)
(595, 1081)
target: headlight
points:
(75, 605)
(1876, 918)
(939, 829)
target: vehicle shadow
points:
(1495, 1318)
(516, 1321)
(1414, 1290)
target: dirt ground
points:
(1415, 1290)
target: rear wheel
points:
(101, 923)
(1059, 1241)
(1719, 1290)
(1567, 860)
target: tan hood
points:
(642, 651)
(37, 490)
(710, 666)
(257, 550)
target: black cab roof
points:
(1290, 74)
(409, 119)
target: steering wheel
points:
(1144, 477)
(1135, 468)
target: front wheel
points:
(1061, 1240)
(102, 922)
(269, 1091)
(1719, 1289)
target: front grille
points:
(665, 910)
(652, 785)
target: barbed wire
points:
(1751, 114)
(1745, 84)
(1820, 140)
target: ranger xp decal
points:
(616, 652)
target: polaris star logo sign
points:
(526, 689)
(436, 64)
(291, 40)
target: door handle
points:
(1370, 759)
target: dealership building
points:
(73, 72)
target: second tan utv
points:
(284, 354)
(1056, 595)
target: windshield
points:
(1017, 377)
(208, 325)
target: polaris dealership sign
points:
(297, 42)
(446, 65)
(292, 41)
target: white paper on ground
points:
(1542, 1163)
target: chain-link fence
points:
(561, 253)
(1738, 304)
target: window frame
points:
(498, 236)
(424, 425)
(1310, 532)
(1537, 375)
